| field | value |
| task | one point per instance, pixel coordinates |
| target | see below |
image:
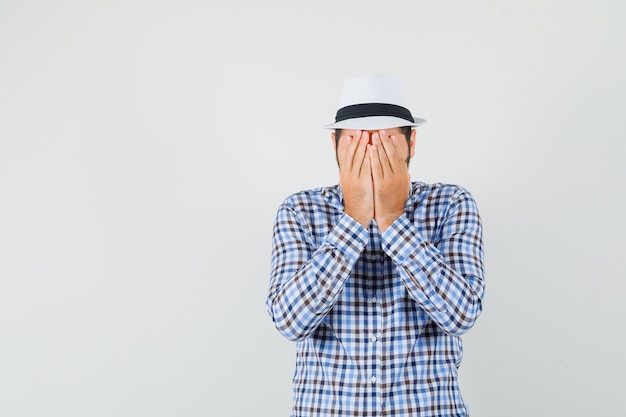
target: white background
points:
(146, 145)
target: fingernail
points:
(393, 139)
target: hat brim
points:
(374, 123)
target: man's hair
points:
(405, 130)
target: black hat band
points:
(356, 111)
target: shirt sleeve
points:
(446, 278)
(306, 281)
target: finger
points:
(361, 153)
(385, 163)
(347, 150)
(366, 167)
(390, 143)
(377, 172)
(398, 156)
(376, 161)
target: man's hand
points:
(391, 179)
(355, 177)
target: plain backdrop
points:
(145, 147)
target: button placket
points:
(374, 343)
(375, 262)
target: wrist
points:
(363, 220)
(383, 222)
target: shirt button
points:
(374, 299)
(373, 257)
(373, 338)
(374, 379)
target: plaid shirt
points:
(377, 316)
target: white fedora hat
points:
(372, 102)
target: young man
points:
(376, 278)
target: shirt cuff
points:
(349, 236)
(401, 240)
(408, 249)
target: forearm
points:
(446, 280)
(305, 281)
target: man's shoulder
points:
(315, 196)
(438, 193)
(440, 189)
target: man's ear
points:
(412, 143)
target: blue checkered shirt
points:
(377, 316)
